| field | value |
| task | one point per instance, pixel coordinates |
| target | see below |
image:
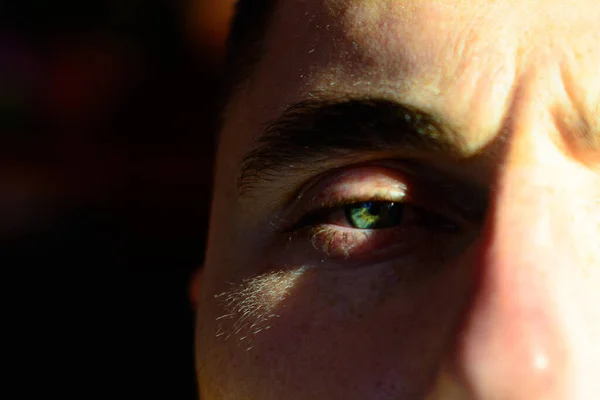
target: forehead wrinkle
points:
(576, 110)
(580, 119)
(366, 46)
(360, 45)
(394, 33)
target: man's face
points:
(407, 206)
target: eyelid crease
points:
(391, 196)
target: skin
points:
(508, 308)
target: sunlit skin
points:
(455, 300)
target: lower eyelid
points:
(336, 241)
(340, 242)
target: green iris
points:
(374, 215)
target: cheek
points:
(249, 308)
(364, 331)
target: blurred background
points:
(107, 118)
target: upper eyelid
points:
(452, 197)
(321, 200)
(337, 204)
(396, 183)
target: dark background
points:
(107, 116)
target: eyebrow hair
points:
(311, 132)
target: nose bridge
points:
(531, 208)
(511, 345)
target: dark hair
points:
(245, 42)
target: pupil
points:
(374, 208)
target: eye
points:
(370, 213)
(374, 214)
(362, 229)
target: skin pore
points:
(483, 283)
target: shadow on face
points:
(406, 206)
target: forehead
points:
(463, 59)
(384, 38)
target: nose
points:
(531, 327)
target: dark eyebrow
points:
(310, 132)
